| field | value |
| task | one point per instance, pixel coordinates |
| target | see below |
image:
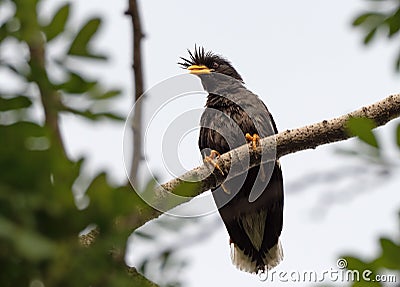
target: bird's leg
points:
(254, 139)
(210, 159)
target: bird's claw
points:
(254, 140)
(211, 159)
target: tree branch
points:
(48, 95)
(287, 142)
(133, 12)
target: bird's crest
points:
(198, 57)
(201, 57)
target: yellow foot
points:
(211, 159)
(255, 140)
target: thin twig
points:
(133, 12)
(287, 142)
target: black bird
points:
(250, 203)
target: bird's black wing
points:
(246, 113)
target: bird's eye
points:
(215, 65)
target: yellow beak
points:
(195, 69)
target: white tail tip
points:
(243, 262)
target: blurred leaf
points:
(143, 266)
(90, 115)
(368, 17)
(398, 135)
(370, 283)
(174, 224)
(39, 220)
(101, 199)
(76, 84)
(18, 102)
(388, 259)
(397, 63)
(354, 263)
(99, 94)
(362, 127)
(164, 258)
(3, 32)
(16, 160)
(29, 244)
(372, 21)
(108, 203)
(139, 280)
(360, 19)
(370, 35)
(348, 152)
(79, 46)
(111, 116)
(390, 254)
(21, 71)
(144, 235)
(57, 24)
(394, 23)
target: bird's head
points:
(202, 62)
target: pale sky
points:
(308, 64)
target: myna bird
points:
(250, 203)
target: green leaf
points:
(390, 254)
(362, 128)
(76, 84)
(398, 135)
(360, 19)
(88, 114)
(108, 203)
(394, 23)
(79, 46)
(354, 263)
(15, 103)
(111, 116)
(101, 95)
(30, 244)
(363, 283)
(3, 32)
(368, 17)
(370, 35)
(101, 200)
(397, 63)
(57, 24)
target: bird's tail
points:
(245, 263)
